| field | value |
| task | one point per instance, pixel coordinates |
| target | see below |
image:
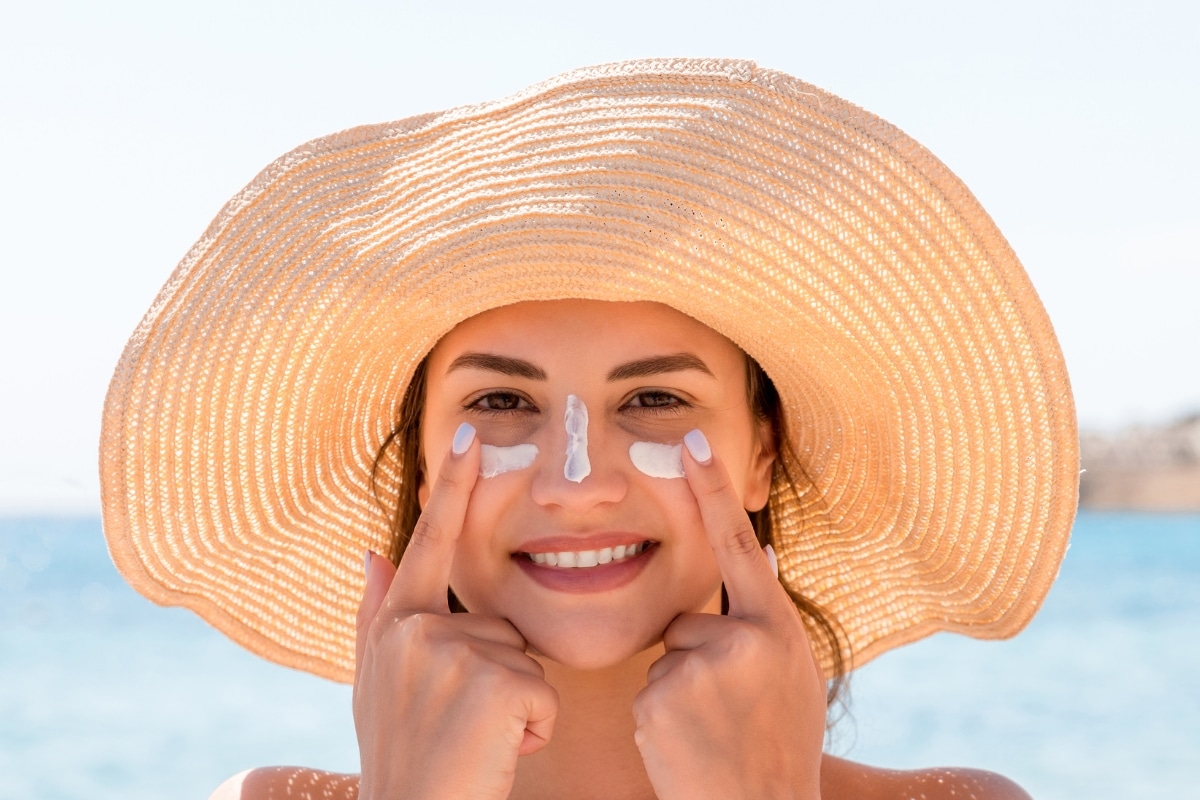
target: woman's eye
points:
(500, 402)
(657, 401)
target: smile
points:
(584, 559)
(604, 566)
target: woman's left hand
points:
(736, 706)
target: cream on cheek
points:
(494, 460)
(657, 460)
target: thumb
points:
(379, 572)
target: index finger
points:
(750, 582)
(424, 574)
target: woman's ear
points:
(762, 467)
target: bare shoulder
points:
(293, 783)
(846, 780)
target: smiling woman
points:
(656, 397)
(649, 373)
(663, 410)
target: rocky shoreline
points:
(1142, 468)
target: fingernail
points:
(770, 551)
(366, 562)
(463, 438)
(697, 445)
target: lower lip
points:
(602, 578)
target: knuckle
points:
(740, 539)
(450, 477)
(487, 683)
(492, 678)
(513, 735)
(385, 630)
(647, 706)
(458, 653)
(415, 630)
(692, 672)
(717, 487)
(426, 533)
(740, 647)
(375, 632)
(657, 712)
(742, 643)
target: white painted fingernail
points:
(366, 562)
(463, 438)
(697, 445)
(770, 551)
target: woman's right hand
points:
(443, 703)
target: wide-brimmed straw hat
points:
(924, 390)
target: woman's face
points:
(645, 373)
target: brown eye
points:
(500, 402)
(654, 400)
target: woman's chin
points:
(595, 636)
(585, 658)
(591, 650)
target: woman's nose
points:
(579, 471)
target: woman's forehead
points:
(544, 322)
(582, 327)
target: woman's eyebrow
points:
(641, 368)
(645, 367)
(505, 365)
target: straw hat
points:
(925, 391)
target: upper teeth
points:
(588, 558)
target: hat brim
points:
(925, 393)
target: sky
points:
(127, 125)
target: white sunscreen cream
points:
(657, 460)
(495, 460)
(577, 466)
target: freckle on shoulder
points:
(292, 783)
(846, 779)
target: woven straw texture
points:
(926, 394)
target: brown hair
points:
(767, 407)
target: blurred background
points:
(126, 126)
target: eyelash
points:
(676, 405)
(477, 407)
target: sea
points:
(104, 695)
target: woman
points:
(575, 355)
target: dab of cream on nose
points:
(657, 460)
(577, 466)
(495, 460)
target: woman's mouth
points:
(584, 559)
(593, 570)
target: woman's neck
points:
(591, 752)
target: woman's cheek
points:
(483, 547)
(691, 553)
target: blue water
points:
(104, 695)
